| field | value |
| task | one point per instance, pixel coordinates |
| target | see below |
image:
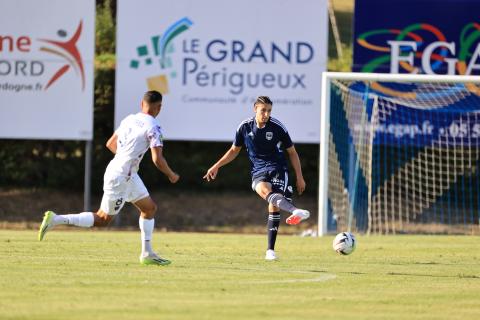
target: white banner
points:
(212, 58)
(46, 69)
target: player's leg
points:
(275, 197)
(263, 188)
(141, 199)
(51, 219)
(108, 208)
(273, 186)
(273, 225)
(146, 222)
(112, 201)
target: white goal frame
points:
(327, 77)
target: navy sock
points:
(272, 228)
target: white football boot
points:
(270, 255)
(298, 216)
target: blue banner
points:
(412, 115)
(423, 128)
(417, 36)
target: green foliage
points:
(39, 163)
(96, 275)
(344, 18)
(343, 64)
(102, 122)
(105, 29)
(105, 61)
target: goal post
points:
(399, 153)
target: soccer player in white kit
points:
(136, 134)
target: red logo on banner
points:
(69, 51)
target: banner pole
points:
(88, 176)
(336, 33)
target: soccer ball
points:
(344, 243)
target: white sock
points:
(83, 219)
(146, 231)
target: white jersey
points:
(136, 134)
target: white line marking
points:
(322, 278)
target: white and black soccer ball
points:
(344, 243)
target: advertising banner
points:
(212, 58)
(417, 36)
(405, 126)
(46, 69)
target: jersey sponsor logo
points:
(269, 135)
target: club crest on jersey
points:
(269, 135)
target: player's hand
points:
(301, 185)
(211, 174)
(174, 178)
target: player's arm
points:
(162, 165)
(297, 167)
(112, 143)
(228, 157)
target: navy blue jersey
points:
(264, 145)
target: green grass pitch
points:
(96, 275)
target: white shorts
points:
(120, 189)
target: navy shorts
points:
(278, 179)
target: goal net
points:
(399, 154)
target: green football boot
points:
(153, 259)
(46, 225)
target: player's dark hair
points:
(152, 96)
(263, 100)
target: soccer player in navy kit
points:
(265, 139)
